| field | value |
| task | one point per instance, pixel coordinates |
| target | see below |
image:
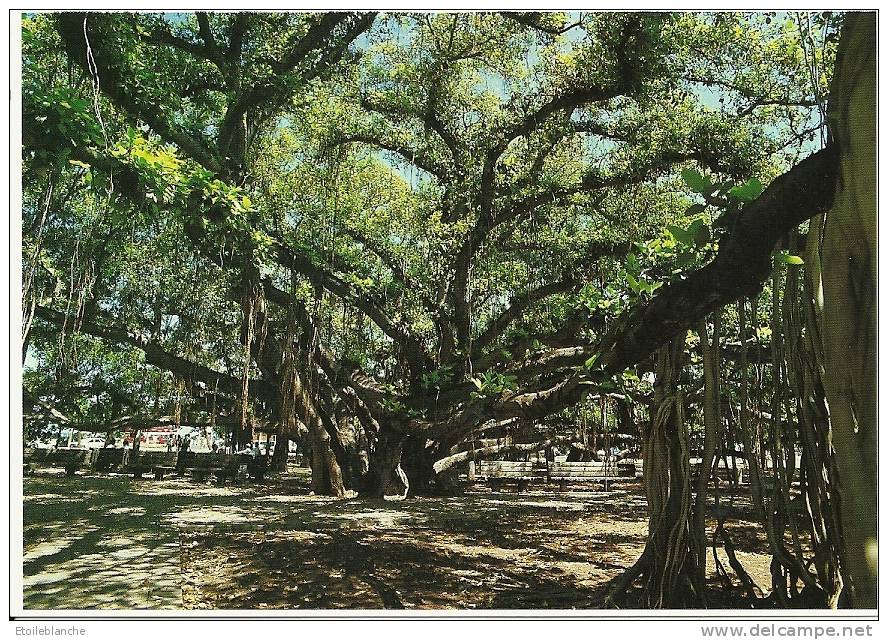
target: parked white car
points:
(95, 442)
(41, 444)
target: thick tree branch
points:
(163, 35)
(156, 355)
(534, 20)
(739, 269)
(415, 157)
(484, 453)
(112, 82)
(741, 266)
(237, 31)
(274, 90)
(520, 304)
(412, 348)
(428, 117)
(210, 45)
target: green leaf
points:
(787, 258)
(695, 180)
(632, 265)
(748, 191)
(652, 286)
(681, 235)
(591, 361)
(694, 209)
(633, 283)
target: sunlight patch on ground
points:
(300, 499)
(192, 489)
(116, 542)
(295, 536)
(50, 471)
(46, 577)
(380, 517)
(558, 505)
(613, 527)
(80, 495)
(133, 511)
(210, 515)
(129, 553)
(478, 550)
(45, 497)
(48, 548)
(595, 495)
(583, 573)
(133, 577)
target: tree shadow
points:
(93, 542)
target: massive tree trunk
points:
(385, 478)
(278, 461)
(417, 460)
(849, 300)
(326, 472)
(326, 476)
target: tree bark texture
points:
(849, 257)
(671, 573)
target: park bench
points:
(497, 472)
(631, 468)
(257, 467)
(71, 460)
(34, 458)
(157, 462)
(221, 466)
(722, 471)
(564, 472)
(107, 459)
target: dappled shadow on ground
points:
(496, 551)
(113, 542)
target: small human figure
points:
(126, 443)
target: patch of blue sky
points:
(31, 360)
(716, 98)
(403, 168)
(388, 25)
(491, 81)
(177, 17)
(708, 96)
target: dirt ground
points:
(112, 542)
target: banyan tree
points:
(391, 237)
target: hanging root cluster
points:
(777, 438)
